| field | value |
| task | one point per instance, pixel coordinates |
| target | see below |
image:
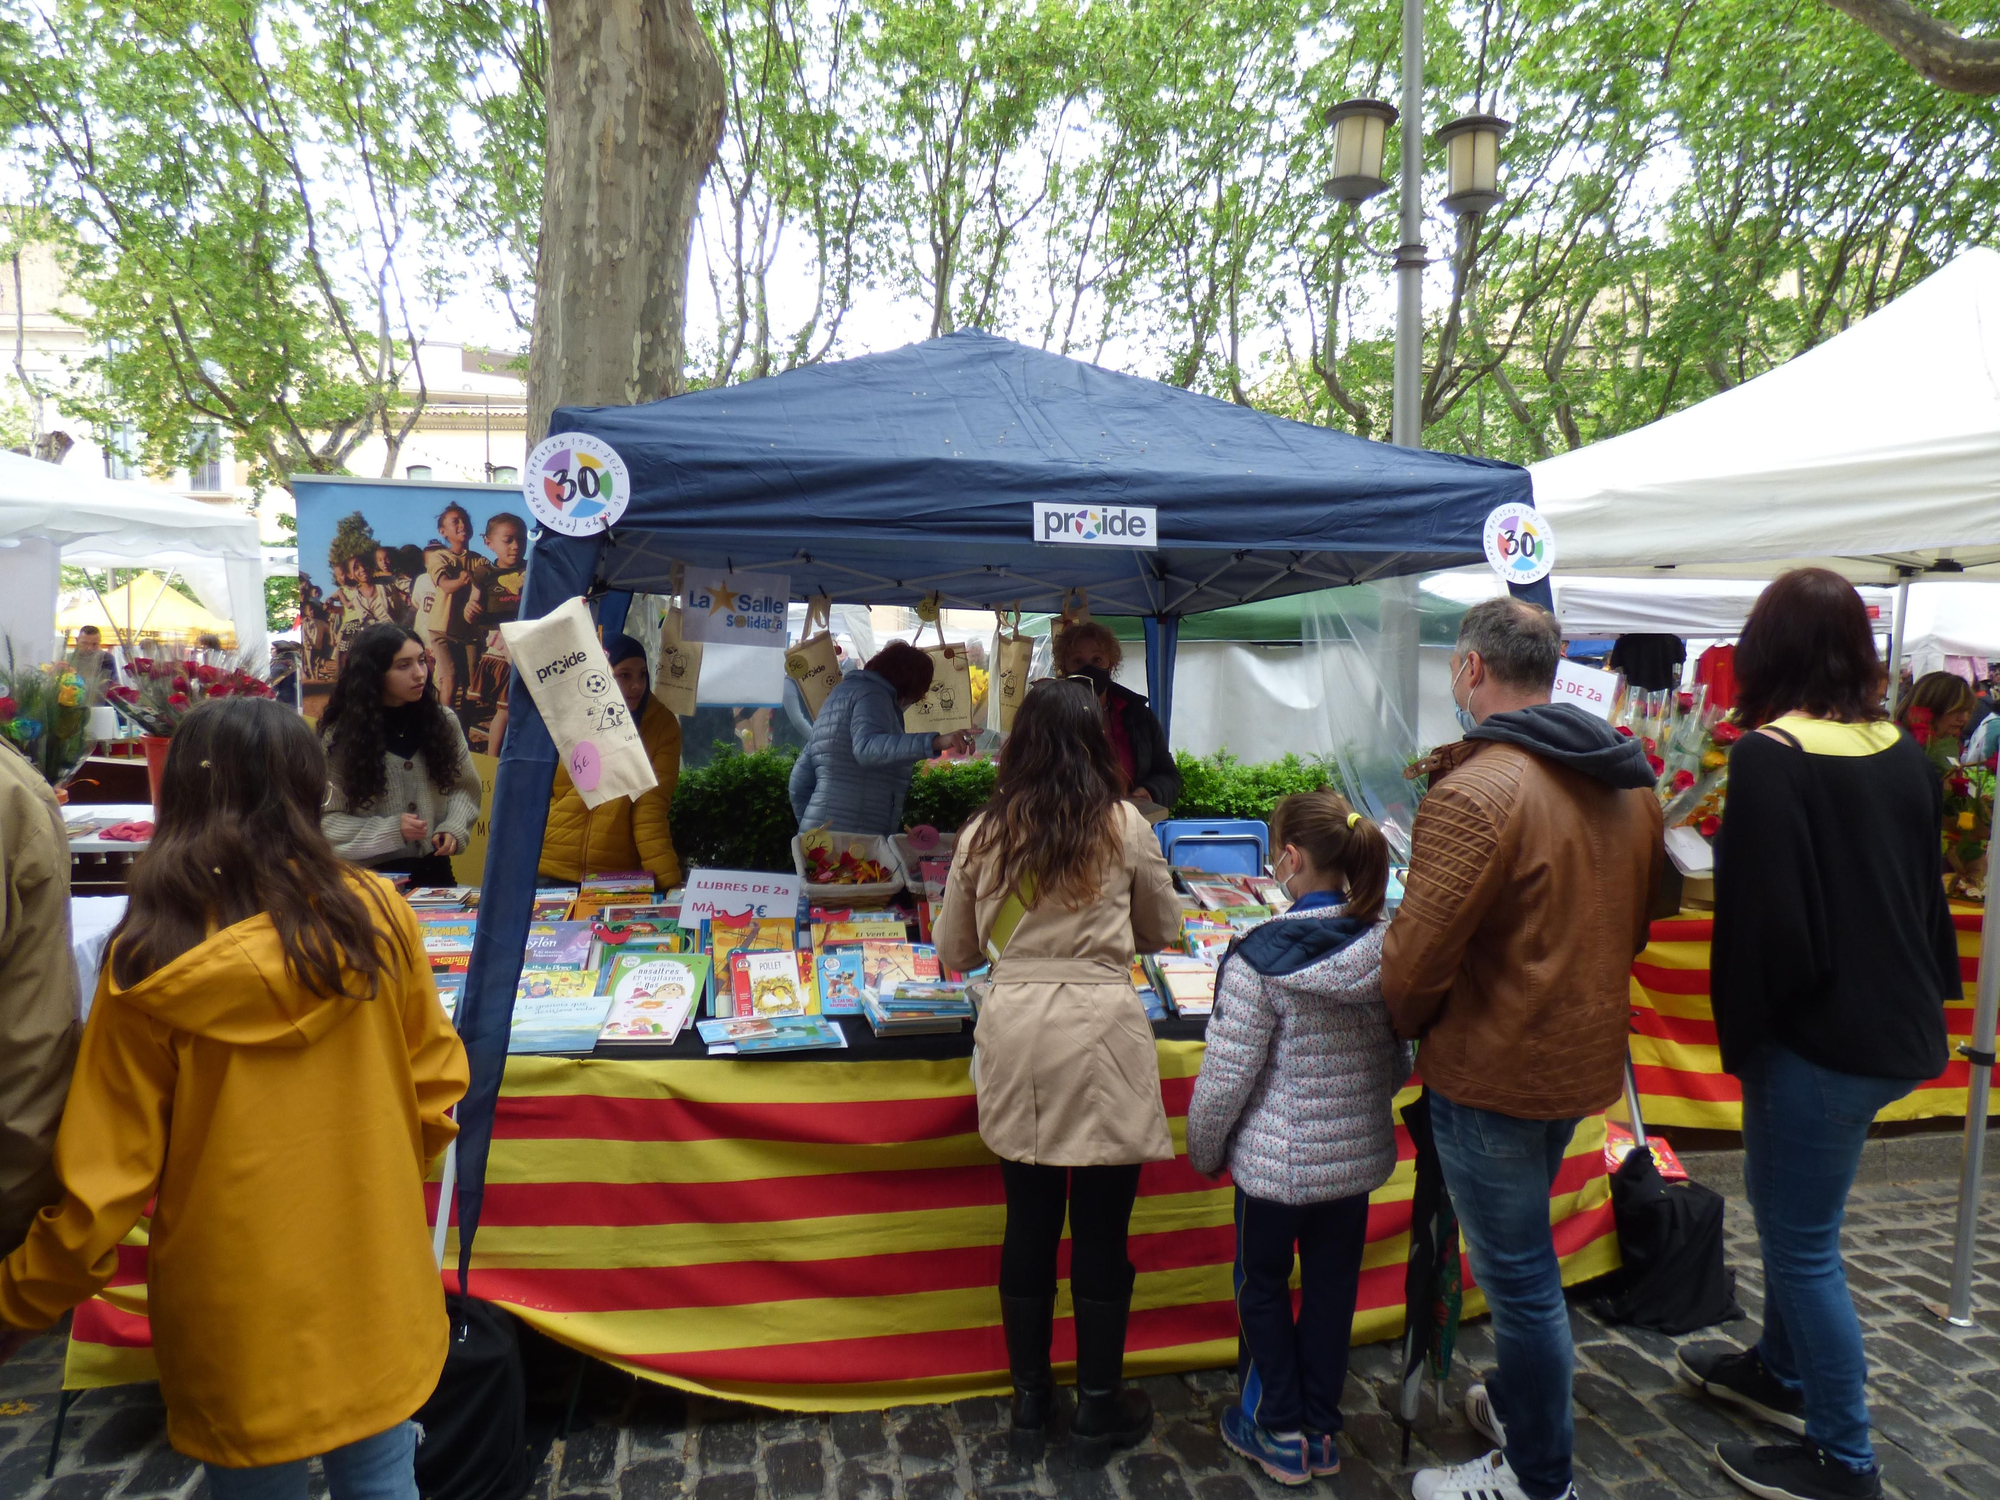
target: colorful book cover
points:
(1187, 984)
(845, 933)
(793, 1034)
(1213, 893)
(450, 991)
(721, 936)
(840, 983)
(447, 932)
(652, 996)
(557, 1010)
(442, 897)
(450, 963)
(617, 885)
(558, 945)
(883, 964)
(772, 984)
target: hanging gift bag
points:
(1013, 660)
(679, 671)
(814, 663)
(1075, 608)
(569, 677)
(948, 704)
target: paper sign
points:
(1520, 543)
(737, 609)
(1097, 525)
(1690, 852)
(576, 484)
(739, 893)
(1592, 691)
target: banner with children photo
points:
(446, 561)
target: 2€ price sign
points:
(576, 484)
(1520, 543)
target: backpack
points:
(475, 1425)
(1670, 1237)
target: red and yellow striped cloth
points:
(826, 1235)
(1679, 1065)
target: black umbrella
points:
(1433, 1287)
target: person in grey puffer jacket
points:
(1294, 1097)
(855, 771)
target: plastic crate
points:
(1222, 846)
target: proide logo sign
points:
(559, 666)
(1097, 525)
(576, 484)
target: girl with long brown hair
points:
(266, 1062)
(1057, 884)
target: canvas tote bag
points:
(948, 705)
(679, 671)
(813, 663)
(569, 677)
(1013, 659)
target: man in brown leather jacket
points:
(1533, 862)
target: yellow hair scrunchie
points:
(1352, 819)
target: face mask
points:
(1466, 723)
(1285, 881)
(1097, 677)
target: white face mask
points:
(1466, 722)
(1285, 881)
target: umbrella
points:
(1432, 1282)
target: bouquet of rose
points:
(1687, 744)
(45, 714)
(167, 687)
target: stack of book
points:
(553, 903)
(917, 1008)
(1185, 983)
(750, 1036)
(443, 897)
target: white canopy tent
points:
(51, 514)
(1876, 453)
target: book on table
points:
(447, 932)
(557, 1011)
(772, 984)
(443, 897)
(653, 996)
(750, 1036)
(559, 945)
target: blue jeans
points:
(1803, 1130)
(1501, 1171)
(382, 1467)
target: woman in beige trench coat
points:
(1057, 884)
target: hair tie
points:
(1352, 819)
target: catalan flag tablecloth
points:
(825, 1235)
(1677, 1060)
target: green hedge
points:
(735, 813)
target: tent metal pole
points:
(1896, 639)
(1978, 1097)
(1406, 420)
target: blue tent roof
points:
(882, 478)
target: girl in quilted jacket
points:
(1293, 1098)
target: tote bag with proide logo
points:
(948, 705)
(569, 677)
(813, 663)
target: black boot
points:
(1028, 1321)
(1108, 1417)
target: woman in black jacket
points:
(1834, 954)
(1091, 651)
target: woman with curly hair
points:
(403, 793)
(1090, 652)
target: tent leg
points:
(447, 1185)
(1632, 1104)
(1896, 642)
(68, 1399)
(1978, 1094)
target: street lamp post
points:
(1472, 157)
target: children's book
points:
(627, 886)
(558, 945)
(750, 1035)
(772, 984)
(447, 932)
(653, 996)
(443, 964)
(450, 991)
(558, 1011)
(840, 982)
(883, 964)
(1213, 893)
(886, 1022)
(848, 932)
(444, 897)
(1185, 983)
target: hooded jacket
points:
(283, 1140)
(1301, 1063)
(855, 771)
(1533, 863)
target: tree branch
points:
(1950, 59)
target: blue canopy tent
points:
(883, 479)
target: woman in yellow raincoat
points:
(266, 1062)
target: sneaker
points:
(1485, 1421)
(1738, 1376)
(1321, 1457)
(1284, 1459)
(1795, 1471)
(1488, 1478)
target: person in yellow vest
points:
(630, 833)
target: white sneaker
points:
(1488, 1478)
(1484, 1419)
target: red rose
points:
(180, 684)
(1687, 700)
(204, 673)
(1625, 730)
(177, 700)
(1709, 826)
(1959, 786)
(8, 707)
(1728, 732)
(220, 690)
(1683, 780)
(1919, 717)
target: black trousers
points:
(1291, 1370)
(1098, 1204)
(425, 870)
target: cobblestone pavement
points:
(1935, 1395)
